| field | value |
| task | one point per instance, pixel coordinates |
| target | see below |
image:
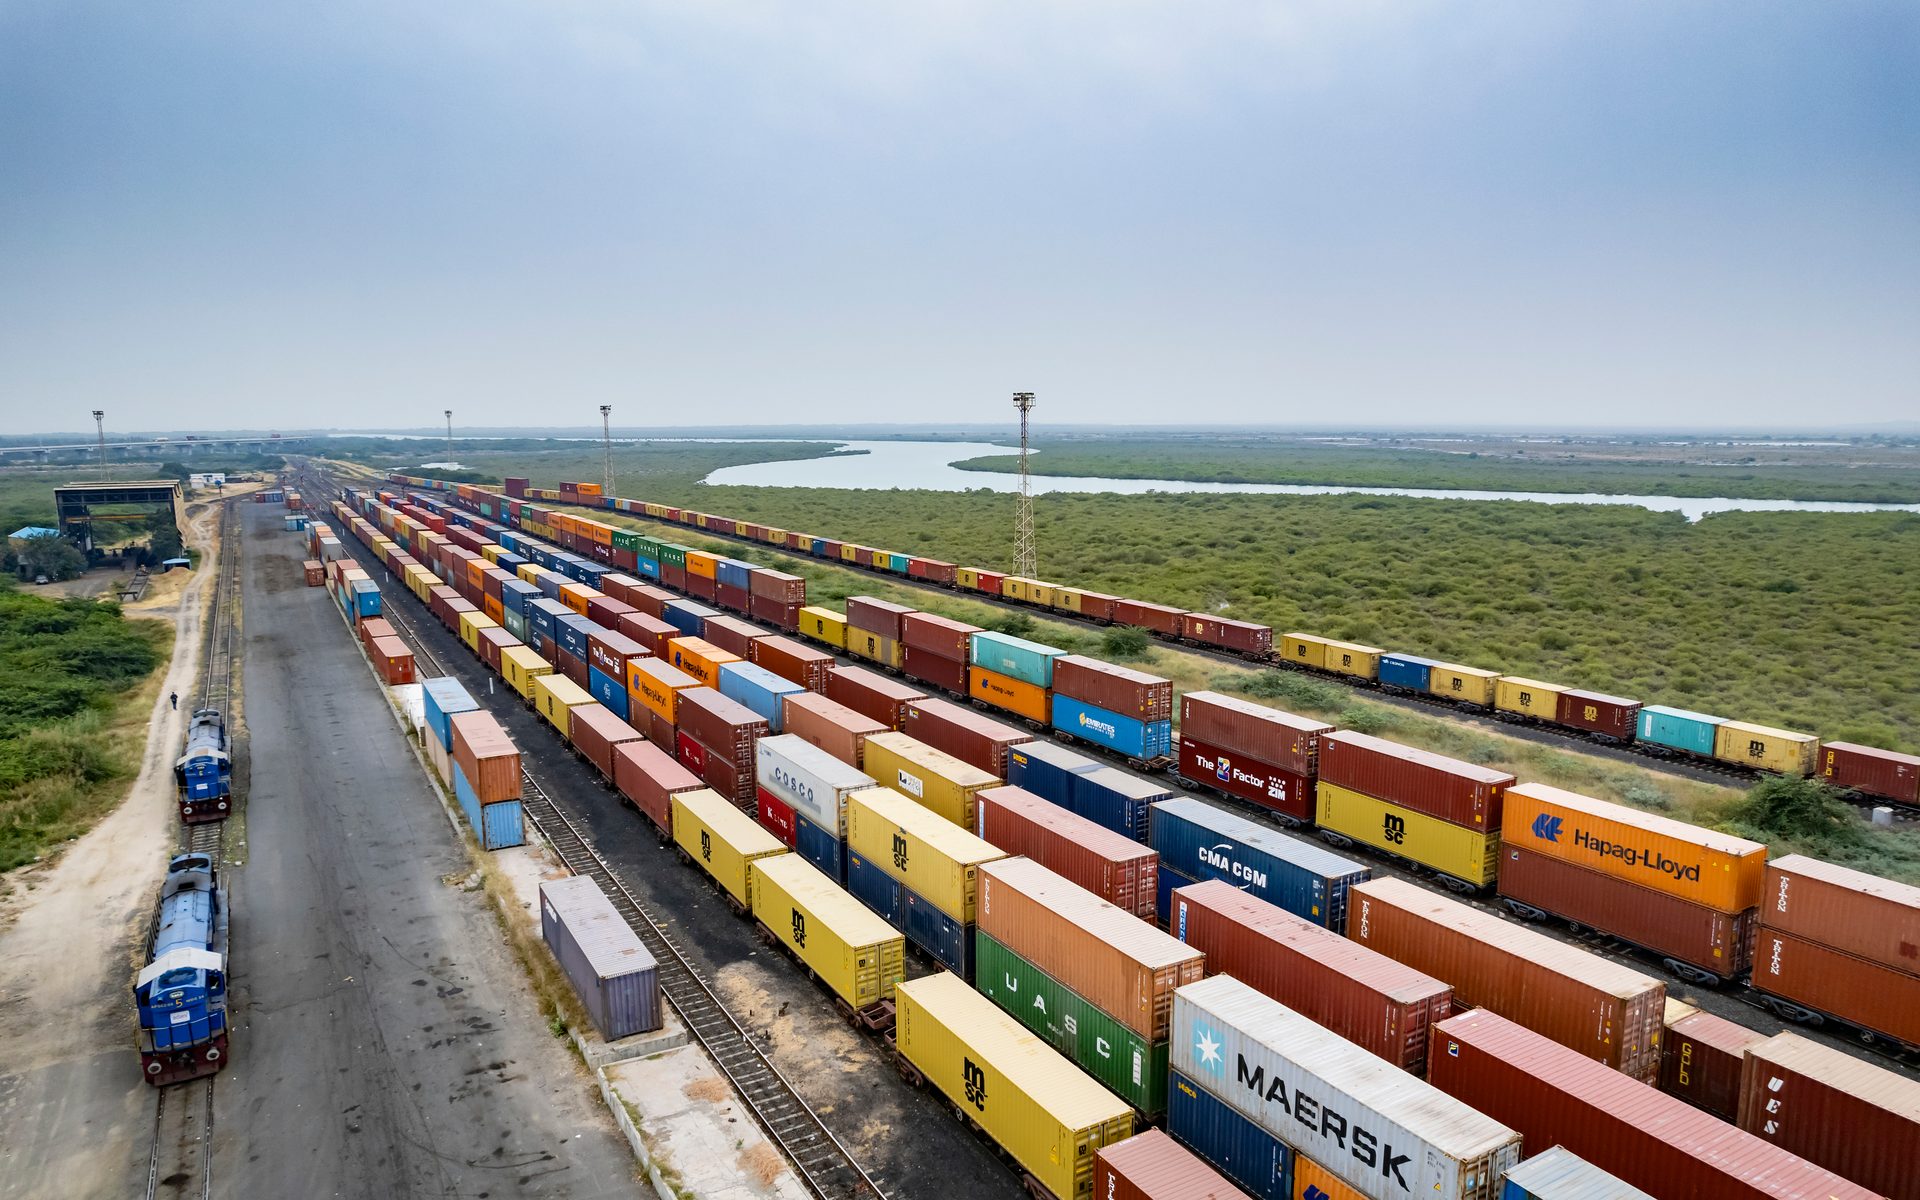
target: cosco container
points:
(1152, 1166)
(1864, 915)
(1468, 856)
(1677, 728)
(1237, 726)
(1703, 1057)
(859, 957)
(1117, 869)
(1557, 1096)
(1246, 1153)
(1610, 1013)
(716, 836)
(758, 689)
(1198, 842)
(1004, 654)
(1459, 793)
(935, 779)
(1765, 749)
(1856, 1119)
(814, 785)
(1116, 689)
(1394, 1136)
(1873, 771)
(833, 727)
(1560, 1174)
(871, 695)
(1244, 777)
(1140, 741)
(648, 777)
(963, 733)
(611, 971)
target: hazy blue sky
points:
(358, 213)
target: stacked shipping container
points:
(1433, 810)
(1251, 752)
(1842, 943)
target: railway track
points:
(182, 1141)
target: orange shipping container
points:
(392, 659)
(576, 595)
(699, 658)
(657, 686)
(1010, 695)
(702, 564)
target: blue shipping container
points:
(571, 632)
(1116, 800)
(733, 572)
(819, 847)
(1233, 1145)
(688, 616)
(366, 597)
(1123, 734)
(1676, 727)
(542, 615)
(649, 568)
(550, 584)
(757, 688)
(516, 594)
(1201, 842)
(1408, 671)
(608, 691)
(510, 563)
(948, 941)
(497, 825)
(444, 697)
(1560, 1174)
(591, 573)
(897, 563)
(1004, 654)
(1047, 770)
(611, 970)
(817, 546)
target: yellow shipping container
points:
(576, 595)
(864, 643)
(723, 841)
(851, 553)
(824, 625)
(940, 782)
(1450, 849)
(1008, 694)
(1528, 697)
(520, 665)
(555, 697)
(1304, 649)
(539, 529)
(936, 859)
(656, 510)
(699, 658)
(857, 955)
(1768, 749)
(1456, 682)
(1033, 591)
(1717, 870)
(1068, 599)
(967, 577)
(1047, 1113)
(421, 581)
(492, 552)
(775, 537)
(531, 572)
(700, 563)
(471, 623)
(1342, 658)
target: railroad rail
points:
(188, 1139)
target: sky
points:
(1527, 212)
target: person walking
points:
(173, 698)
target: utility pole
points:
(100, 428)
(1025, 557)
(448, 413)
(606, 449)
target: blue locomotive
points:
(204, 773)
(182, 991)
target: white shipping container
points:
(1390, 1135)
(812, 782)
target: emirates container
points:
(1861, 914)
(833, 727)
(948, 674)
(1856, 1119)
(1703, 1057)
(1560, 1174)
(876, 616)
(1143, 743)
(594, 731)
(1610, 716)
(1152, 1166)
(1610, 1013)
(1377, 1128)
(723, 726)
(1380, 1005)
(963, 733)
(1116, 962)
(872, 695)
(1198, 842)
(1289, 742)
(1162, 619)
(1244, 636)
(937, 635)
(1814, 980)
(1117, 689)
(1246, 1153)
(1460, 793)
(1117, 869)
(1233, 773)
(1716, 946)
(1866, 769)
(780, 587)
(490, 760)
(792, 661)
(615, 977)
(933, 777)
(649, 631)
(1556, 1096)
(647, 777)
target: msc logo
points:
(799, 928)
(706, 845)
(1396, 830)
(976, 1083)
(899, 852)
(1546, 827)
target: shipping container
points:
(1376, 1127)
(443, 697)
(1875, 772)
(939, 636)
(1559, 1174)
(936, 779)
(1817, 980)
(1009, 695)
(471, 623)
(1311, 1181)
(1143, 743)
(1246, 1153)
(1038, 1107)
(1004, 654)
(392, 660)
(555, 697)
(732, 635)
(1115, 868)
(594, 730)
(647, 777)
(945, 674)
(1610, 716)
(1407, 672)
(482, 749)
(1856, 1119)
(824, 625)
(1864, 915)
(1198, 842)
(1152, 1166)
(1779, 750)
(1325, 654)
(833, 727)
(1557, 1096)
(649, 631)
(1606, 1011)
(723, 726)
(1048, 771)
(809, 781)
(1162, 619)
(792, 661)
(758, 689)
(780, 586)
(874, 647)
(700, 659)
(872, 695)
(615, 977)
(1245, 777)
(1378, 1004)
(655, 687)
(1243, 636)
(1239, 726)
(856, 955)
(935, 859)
(967, 735)
(1466, 859)
(1703, 1057)
(496, 826)
(1457, 792)
(1117, 689)
(714, 834)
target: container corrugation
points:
(721, 840)
(1468, 855)
(647, 777)
(1460, 793)
(943, 938)
(831, 726)
(947, 674)
(1859, 991)
(555, 697)
(615, 977)
(443, 697)
(1311, 1181)
(1245, 777)
(1117, 689)
(1243, 727)
(934, 778)
(1152, 1166)
(657, 687)
(732, 635)
(1139, 741)
(1556, 1096)
(1560, 1174)
(1261, 1057)
(1244, 636)
(487, 755)
(1856, 1119)
(1246, 1153)
(1201, 842)
(1113, 798)
(1608, 1012)
(872, 695)
(1611, 716)
(859, 957)
(1004, 654)
(649, 631)
(963, 733)
(758, 689)
(936, 860)
(699, 658)
(1676, 727)
(1527, 697)
(1765, 748)
(594, 731)
(1007, 694)
(1117, 869)
(875, 616)
(937, 635)
(721, 725)
(808, 780)
(874, 647)
(1864, 915)
(1871, 770)
(792, 661)
(1703, 1058)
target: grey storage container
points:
(613, 974)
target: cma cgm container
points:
(1703, 1058)
(918, 872)
(871, 695)
(833, 727)
(1851, 1117)
(611, 971)
(1557, 1096)
(1286, 741)
(1198, 842)
(713, 834)
(1861, 914)
(1605, 1011)
(1560, 1174)
(1042, 1110)
(647, 777)
(963, 733)
(1808, 979)
(1866, 769)
(936, 779)
(1466, 859)
(1117, 869)
(1380, 1005)
(859, 957)
(1152, 1166)
(1459, 793)
(1374, 1126)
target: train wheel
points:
(1333, 839)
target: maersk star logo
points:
(1208, 1047)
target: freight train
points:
(203, 774)
(181, 991)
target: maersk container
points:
(1239, 1149)
(757, 688)
(443, 698)
(1144, 740)
(1047, 770)
(614, 975)
(1560, 1174)
(1267, 1062)
(1198, 842)
(1004, 654)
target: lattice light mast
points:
(448, 413)
(1025, 557)
(606, 449)
(100, 430)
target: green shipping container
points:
(516, 624)
(672, 554)
(623, 540)
(647, 547)
(1123, 1061)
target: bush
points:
(1016, 624)
(1126, 644)
(1804, 812)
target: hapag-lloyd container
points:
(647, 777)
(1198, 842)
(1560, 1174)
(809, 780)
(1144, 741)
(1458, 792)
(1146, 698)
(1286, 741)
(1610, 1013)
(1117, 869)
(1374, 1002)
(833, 727)
(872, 695)
(1007, 694)
(1851, 1117)
(963, 733)
(1244, 777)
(1861, 914)
(611, 971)
(654, 686)
(1703, 1058)
(1373, 1125)
(1152, 1166)
(1557, 1096)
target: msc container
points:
(1703, 1058)
(1265, 1060)
(714, 834)
(1008, 694)
(1861, 914)
(758, 689)
(611, 971)
(1004, 654)
(833, 727)
(647, 778)
(1117, 869)
(874, 647)
(1198, 842)
(1457, 792)
(1468, 857)
(1245, 777)
(794, 662)
(1559, 1174)
(1609, 716)
(1610, 1013)
(823, 625)
(1701, 866)
(555, 697)
(1118, 963)
(1341, 658)
(1819, 980)
(936, 779)
(859, 957)
(947, 674)
(1380, 1005)
(442, 697)
(1152, 1166)
(1851, 1117)
(1042, 1110)
(1556, 1096)
(1764, 749)
(482, 749)
(1117, 689)
(594, 731)
(873, 696)
(1465, 685)
(654, 686)
(699, 658)
(876, 616)
(1875, 772)
(1142, 742)
(939, 636)
(1248, 1154)
(963, 733)
(1287, 741)
(936, 860)
(1244, 636)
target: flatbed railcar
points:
(181, 991)
(203, 774)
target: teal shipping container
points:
(1004, 654)
(897, 563)
(1676, 727)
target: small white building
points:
(207, 479)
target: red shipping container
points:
(619, 587)
(876, 616)
(492, 642)
(1117, 689)
(608, 653)
(731, 598)
(776, 816)
(732, 635)
(828, 724)
(1152, 1166)
(376, 627)
(454, 606)
(1556, 1097)
(650, 632)
(729, 779)
(1851, 1117)
(1096, 606)
(924, 666)
(674, 578)
(1610, 716)
(594, 730)
(1271, 735)
(1823, 980)
(490, 581)
(1704, 1058)
(724, 727)
(486, 756)
(1209, 630)
(775, 613)
(932, 570)
(1113, 867)
(830, 548)
(937, 635)
(991, 581)
(1866, 769)
(623, 558)
(1460, 792)
(659, 730)
(1864, 915)
(780, 587)
(1380, 1005)
(648, 777)
(1154, 618)
(316, 574)
(1244, 777)
(573, 668)
(963, 733)
(605, 611)
(650, 600)
(702, 587)
(792, 661)
(872, 695)
(392, 660)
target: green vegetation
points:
(1807, 817)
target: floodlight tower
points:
(1025, 557)
(100, 430)
(606, 449)
(448, 414)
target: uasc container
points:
(1856, 1119)
(859, 957)
(1115, 868)
(611, 971)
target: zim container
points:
(1007, 694)
(648, 777)
(855, 954)
(872, 695)
(611, 971)
(1117, 869)
(1198, 842)
(1703, 1058)
(1238, 726)
(1864, 915)
(1819, 979)
(831, 726)
(1152, 1166)
(1765, 749)
(1244, 777)
(1117, 689)
(1873, 771)
(1247, 1154)
(967, 735)
(932, 777)
(1459, 793)
(721, 840)
(1468, 855)
(1856, 1119)
(1610, 716)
